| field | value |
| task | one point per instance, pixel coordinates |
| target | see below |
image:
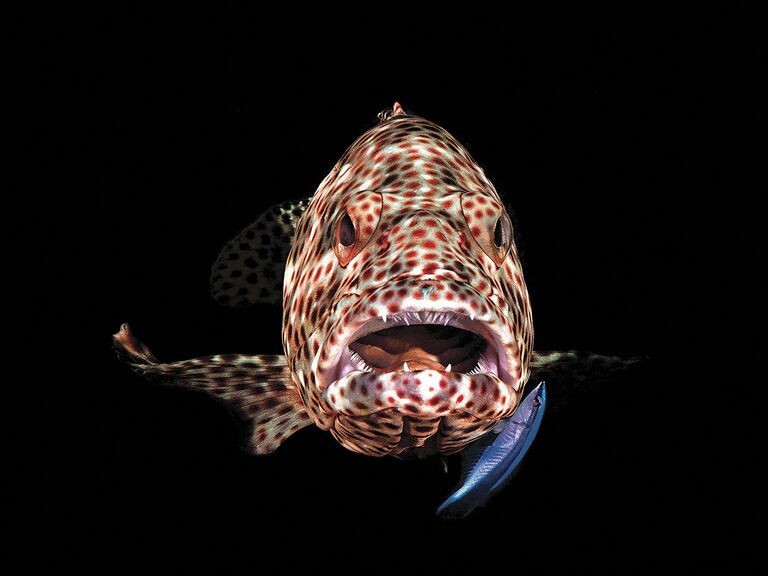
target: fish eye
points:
(502, 233)
(346, 231)
(489, 225)
(354, 226)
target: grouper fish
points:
(407, 325)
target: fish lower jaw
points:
(421, 394)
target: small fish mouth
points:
(414, 341)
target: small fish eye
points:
(346, 233)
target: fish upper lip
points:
(417, 317)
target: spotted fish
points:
(407, 324)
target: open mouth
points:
(412, 341)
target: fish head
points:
(407, 322)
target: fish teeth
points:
(384, 318)
(472, 316)
(448, 368)
(405, 367)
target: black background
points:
(616, 138)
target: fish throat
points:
(420, 347)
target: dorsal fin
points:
(389, 113)
(249, 269)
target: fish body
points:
(407, 326)
(423, 254)
(488, 469)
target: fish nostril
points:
(427, 288)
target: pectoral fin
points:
(569, 371)
(259, 388)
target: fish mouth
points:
(414, 341)
(424, 364)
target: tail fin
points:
(259, 388)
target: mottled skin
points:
(405, 230)
(425, 216)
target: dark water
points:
(173, 130)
